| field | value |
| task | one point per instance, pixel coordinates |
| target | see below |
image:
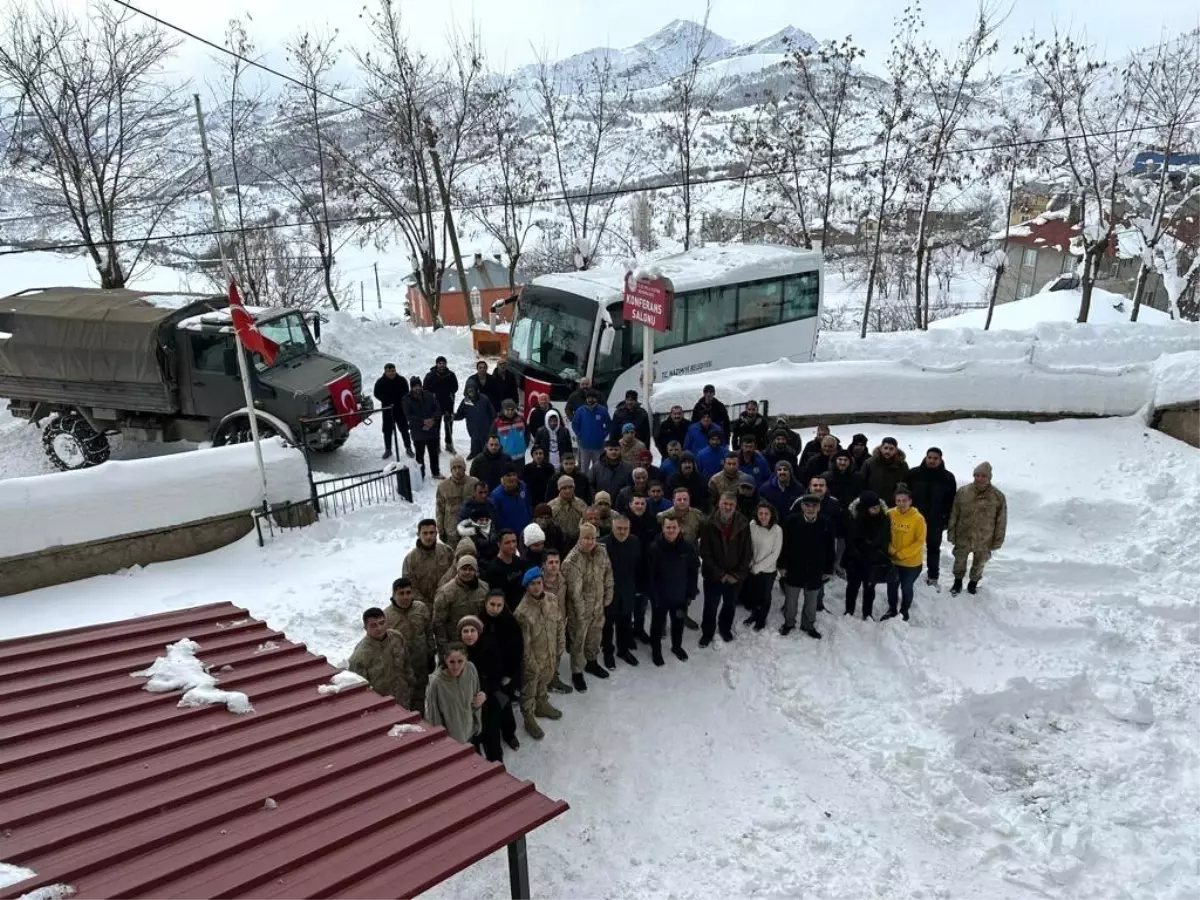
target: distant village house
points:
(487, 282)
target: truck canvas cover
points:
(91, 335)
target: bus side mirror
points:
(607, 337)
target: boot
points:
(409, 453)
(690, 623)
(628, 658)
(513, 743)
(594, 668)
(610, 661)
(813, 633)
(904, 615)
(580, 684)
(972, 587)
(786, 629)
(956, 588)
(727, 635)
(532, 728)
(656, 655)
(890, 614)
(387, 454)
(546, 711)
(643, 636)
(559, 686)
(680, 654)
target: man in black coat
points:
(443, 384)
(843, 482)
(423, 413)
(673, 428)
(390, 390)
(505, 384)
(708, 403)
(570, 468)
(691, 478)
(537, 475)
(625, 556)
(780, 450)
(489, 465)
(933, 487)
(507, 569)
(578, 397)
(750, 423)
(806, 563)
(673, 571)
(633, 413)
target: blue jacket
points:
(511, 433)
(591, 427)
(780, 498)
(655, 508)
(759, 469)
(667, 467)
(697, 438)
(512, 510)
(709, 461)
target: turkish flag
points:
(344, 401)
(247, 332)
(533, 390)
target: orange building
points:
(487, 275)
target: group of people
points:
(564, 543)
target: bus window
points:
(711, 313)
(801, 296)
(759, 305)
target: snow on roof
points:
(171, 301)
(693, 270)
(221, 319)
(1177, 379)
(1056, 306)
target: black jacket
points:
(487, 656)
(808, 550)
(605, 476)
(576, 399)
(816, 465)
(669, 430)
(844, 486)
(418, 410)
(673, 569)
(626, 559)
(775, 456)
(637, 416)
(696, 484)
(391, 392)
(717, 410)
(536, 479)
(867, 538)
(583, 487)
(726, 556)
(933, 494)
(536, 419)
(444, 387)
(507, 577)
(503, 387)
(488, 467)
(811, 449)
(542, 439)
(479, 414)
(507, 630)
(756, 427)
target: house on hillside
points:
(487, 282)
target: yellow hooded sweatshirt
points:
(908, 537)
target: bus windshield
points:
(553, 331)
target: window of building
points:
(801, 296)
(1023, 290)
(1029, 257)
(759, 305)
(1068, 263)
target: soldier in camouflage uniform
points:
(556, 584)
(414, 620)
(689, 518)
(978, 524)
(451, 495)
(464, 547)
(382, 658)
(427, 562)
(537, 614)
(590, 588)
(465, 595)
(566, 510)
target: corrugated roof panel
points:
(120, 793)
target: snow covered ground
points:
(1037, 740)
(1057, 306)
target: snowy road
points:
(1039, 739)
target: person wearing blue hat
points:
(545, 638)
(631, 445)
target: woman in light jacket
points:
(453, 699)
(767, 539)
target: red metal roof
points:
(116, 791)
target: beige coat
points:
(425, 569)
(978, 519)
(451, 495)
(448, 703)
(386, 665)
(589, 579)
(543, 630)
(567, 516)
(416, 624)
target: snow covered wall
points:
(121, 498)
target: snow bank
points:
(1177, 379)
(180, 670)
(865, 387)
(1057, 306)
(340, 682)
(121, 498)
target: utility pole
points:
(218, 227)
(378, 294)
(362, 297)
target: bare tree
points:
(1094, 117)
(784, 146)
(691, 96)
(93, 127)
(641, 221)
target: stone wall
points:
(1181, 423)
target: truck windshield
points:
(291, 336)
(553, 331)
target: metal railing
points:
(332, 497)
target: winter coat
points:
(511, 433)
(425, 569)
(756, 427)
(775, 455)
(625, 557)
(512, 510)
(721, 482)
(554, 440)
(767, 544)
(386, 664)
(391, 392)
(416, 624)
(711, 460)
(464, 547)
(844, 486)
(673, 569)
(488, 467)
(567, 516)
(576, 399)
(479, 414)
(695, 482)
(933, 494)
(557, 588)
(808, 551)
(782, 498)
(670, 430)
(907, 547)
(420, 409)
(716, 410)
(609, 476)
(689, 525)
(637, 416)
(543, 631)
(536, 480)
(695, 438)
(721, 555)
(506, 631)
(645, 528)
(591, 426)
(488, 659)
(756, 467)
(630, 451)
(536, 420)
(979, 519)
(507, 577)
(448, 703)
(504, 385)
(868, 538)
(589, 581)
(819, 465)
(832, 510)
(453, 601)
(450, 497)
(811, 448)
(483, 541)
(882, 476)
(443, 386)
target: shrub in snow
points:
(181, 670)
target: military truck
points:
(159, 367)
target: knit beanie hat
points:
(470, 620)
(602, 495)
(587, 529)
(533, 534)
(984, 468)
(543, 510)
(465, 561)
(565, 481)
(465, 547)
(457, 461)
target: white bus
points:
(735, 304)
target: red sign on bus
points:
(648, 302)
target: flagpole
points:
(241, 354)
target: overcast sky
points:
(514, 30)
